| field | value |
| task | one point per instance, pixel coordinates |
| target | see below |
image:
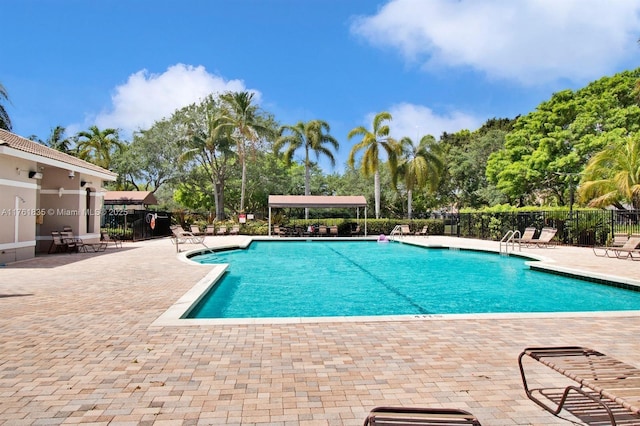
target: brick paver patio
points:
(77, 346)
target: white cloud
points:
(146, 98)
(416, 121)
(528, 41)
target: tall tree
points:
(209, 145)
(372, 141)
(313, 136)
(5, 121)
(58, 141)
(418, 166)
(242, 116)
(612, 177)
(98, 146)
(150, 160)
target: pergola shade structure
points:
(318, 201)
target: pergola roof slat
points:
(319, 201)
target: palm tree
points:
(58, 141)
(5, 121)
(371, 143)
(419, 166)
(243, 117)
(612, 177)
(97, 146)
(312, 136)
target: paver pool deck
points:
(78, 345)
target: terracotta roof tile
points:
(22, 144)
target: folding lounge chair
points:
(419, 416)
(210, 230)
(186, 237)
(235, 230)
(424, 231)
(106, 238)
(74, 243)
(597, 380)
(322, 231)
(222, 230)
(405, 230)
(57, 244)
(195, 230)
(527, 237)
(629, 249)
(546, 238)
(619, 240)
(333, 230)
(355, 231)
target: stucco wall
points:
(18, 209)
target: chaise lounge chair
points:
(235, 230)
(629, 249)
(195, 230)
(619, 240)
(185, 237)
(545, 239)
(419, 416)
(333, 230)
(598, 380)
(106, 238)
(424, 232)
(210, 230)
(527, 237)
(222, 230)
(58, 245)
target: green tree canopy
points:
(560, 136)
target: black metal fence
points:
(136, 225)
(580, 227)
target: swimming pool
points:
(364, 278)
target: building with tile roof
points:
(43, 190)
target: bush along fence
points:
(578, 228)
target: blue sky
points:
(436, 65)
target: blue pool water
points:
(335, 278)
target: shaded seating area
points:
(318, 201)
(598, 380)
(66, 242)
(388, 416)
(58, 245)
